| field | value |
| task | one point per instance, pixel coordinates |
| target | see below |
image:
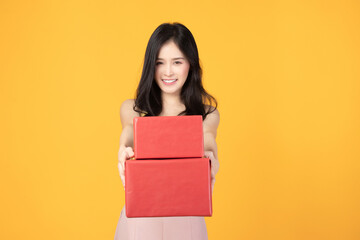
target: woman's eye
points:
(158, 63)
(177, 62)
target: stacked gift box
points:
(169, 175)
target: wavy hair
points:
(193, 95)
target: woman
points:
(170, 85)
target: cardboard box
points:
(168, 187)
(168, 137)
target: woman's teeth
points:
(169, 81)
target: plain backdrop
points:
(286, 76)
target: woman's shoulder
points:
(212, 120)
(127, 106)
(128, 103)
(127, 112)
(214, 112)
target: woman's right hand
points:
(125, 153)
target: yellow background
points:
(286, 75)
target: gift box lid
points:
(168, 187)
(168, 137)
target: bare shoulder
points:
(214, 116)
(127, 112)
(211, 121)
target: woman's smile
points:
(169, 81)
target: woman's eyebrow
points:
(171, 59)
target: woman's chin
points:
(170, 92)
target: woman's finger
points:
(212, 184)
(210, 155)
(122, 173)
(212, 172)
(129, 152)
(124, 155)
(207, 154)
(123, 159)
(214, 164)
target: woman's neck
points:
(172, 104)
(171, 100)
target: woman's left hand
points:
(214, 168)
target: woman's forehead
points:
(170, 51)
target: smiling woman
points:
(170, 85)
(172, 54)
(171, 69)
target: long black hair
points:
(193, 95)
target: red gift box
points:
(168, 137)
(168, 187)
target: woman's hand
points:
(214, 167)
(125, 153)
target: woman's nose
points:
(168, 70)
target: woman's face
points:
(171, 68)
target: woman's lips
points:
(169, 81)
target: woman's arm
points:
(127, 115)
(210, 126)
(127, 136)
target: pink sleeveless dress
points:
(160, 228)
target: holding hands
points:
(214, 167)
(125, 153)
